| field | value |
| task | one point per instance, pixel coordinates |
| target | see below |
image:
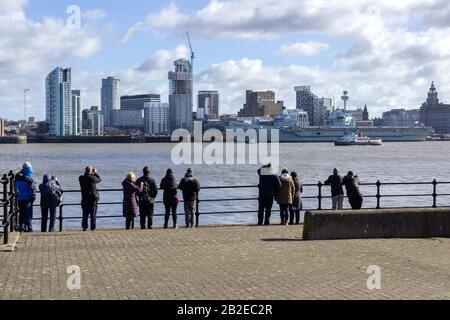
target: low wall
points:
(377, 223)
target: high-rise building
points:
(110, 98)
(434, 113)
(128, 119)
(156, 118)
(76, 112)
(136, 102)
(260, 104)
(92, 122)
(318, 109)
(208, 105)
(58, 102)
(2, 127)
(180, 96)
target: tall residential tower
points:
(58, 102)
(110, 99)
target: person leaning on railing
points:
(147, 198)
(351, 183)
(89, 196)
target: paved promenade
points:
(222, 263)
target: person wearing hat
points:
(169, 185)
(26, 189)
(190, 187)
(285, 196)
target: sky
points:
(385, 53)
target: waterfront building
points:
(128, 119)
(180, 96)
(318, 109)
(260, 104)
(365, 114)
(136, 102)
(292, 118)
(2, 127)
(110, 98)
(76, 112)
(434, 113)
(58, 102)
(398, 118)
(208, 105)
(92, 122)
(156, 118)
(358, 114)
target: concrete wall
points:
(372, 224)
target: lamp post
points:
(25, 91)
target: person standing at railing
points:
(51, 193)
(337, 192)
(89, 196)
(269, 184)
(26, 188)
(351, 182)
(147, 198)
(285, 196)
(130, 203)
(190, 187)
(297, 203)
(169, 185)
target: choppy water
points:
(393, 162)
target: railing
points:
(9, 205)
(10, 216)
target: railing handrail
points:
(10, 198)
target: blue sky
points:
(385, 54)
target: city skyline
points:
(139, 49)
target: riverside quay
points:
(372, 253)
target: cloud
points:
(30, 49)
(309, 48)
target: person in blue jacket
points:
(26, 188)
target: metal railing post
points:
(435, 193)
(12, 198)
(319, 196)
(378, 194)
(60, 218)
(5, 182)
(197, 213)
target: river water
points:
(392, 162)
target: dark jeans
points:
(356, 202)
(129, 223)
(169, 208)
(25, 216)
(284, 211)
(89, 210)
(264, 210)
(294, 214)
(146, 212)
(45, 215)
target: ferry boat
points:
(357, 140)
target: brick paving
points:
(222, 263)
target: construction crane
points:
(192, 69)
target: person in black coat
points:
(190, 187)
(337, 192)
(169, 185)
(147, 198)
(351, 183)
(269, 184)
(89, 196)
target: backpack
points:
(148, 193)
(55, 198)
